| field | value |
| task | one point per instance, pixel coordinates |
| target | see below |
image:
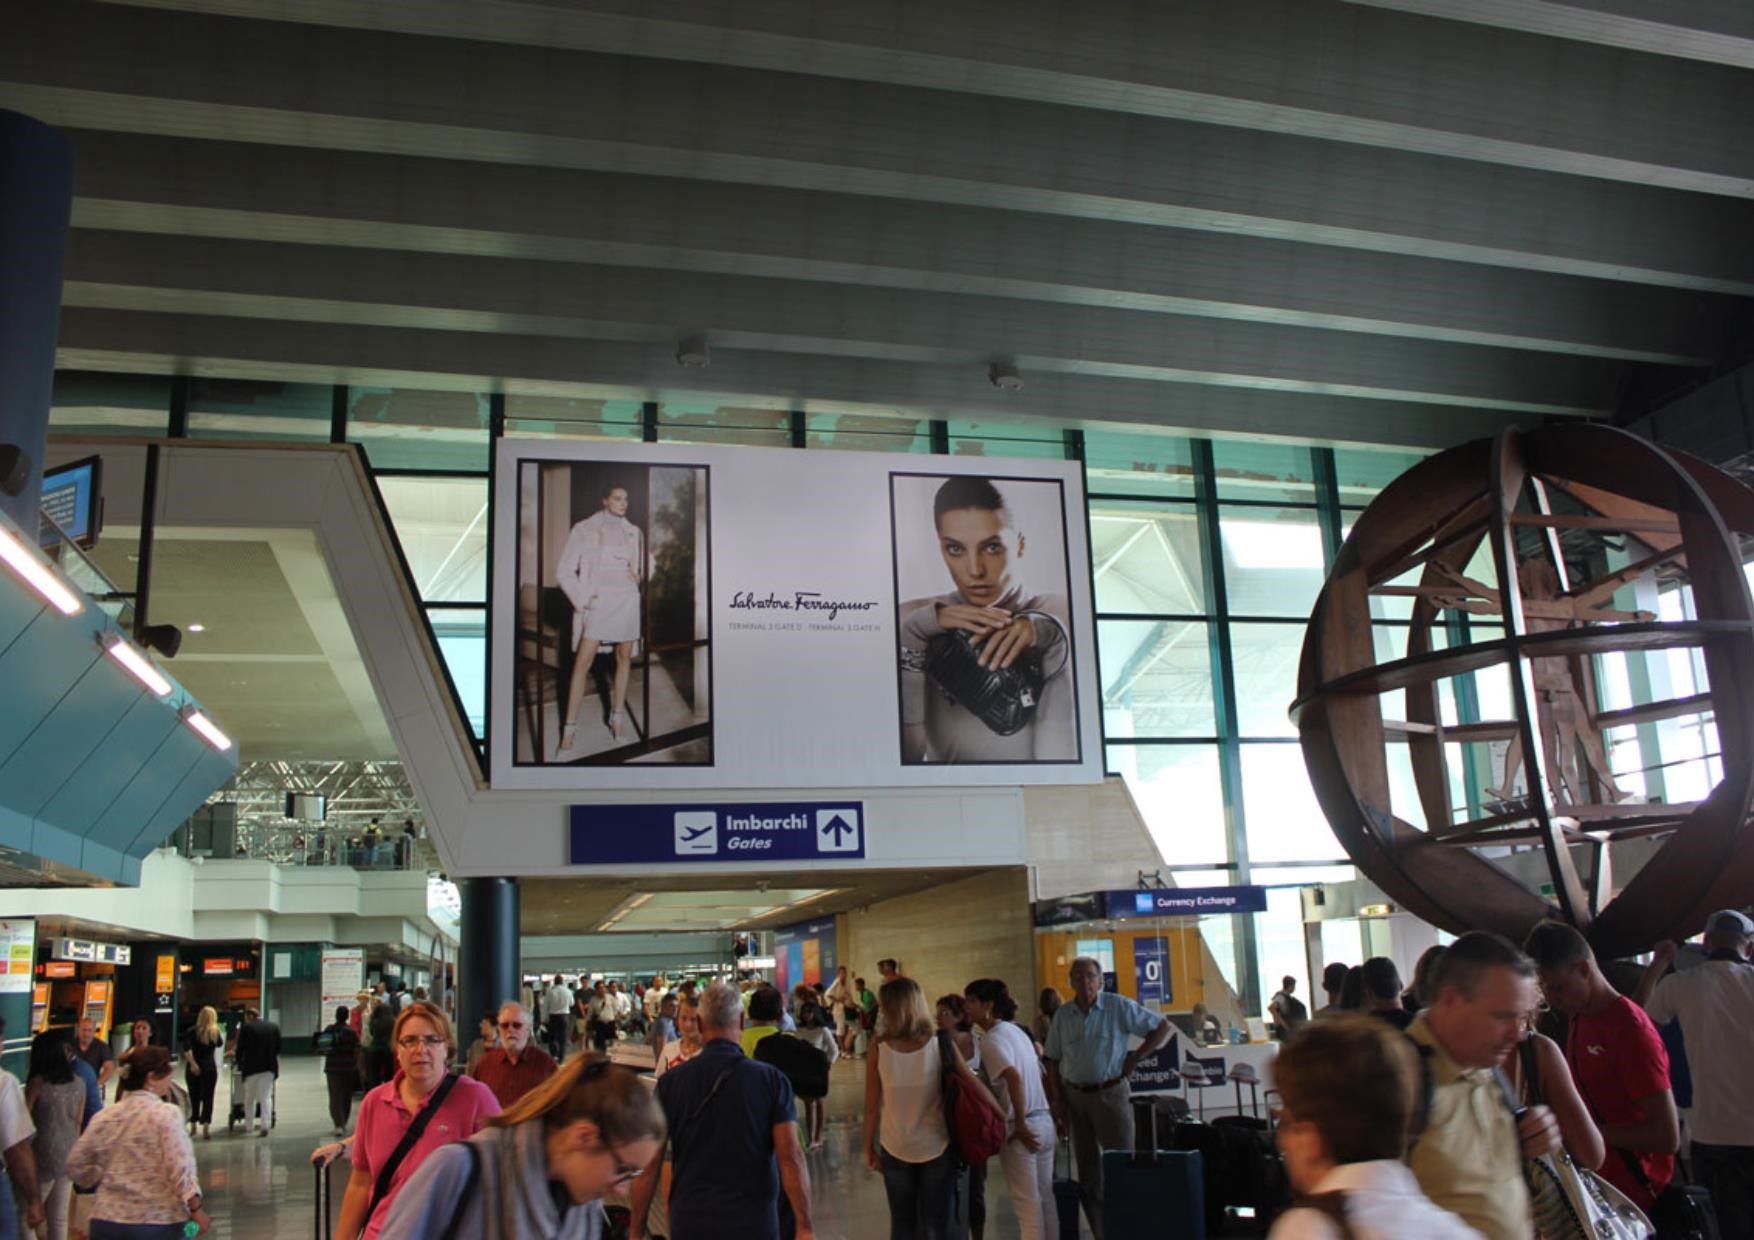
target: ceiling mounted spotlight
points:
(692, 351)
(1004, 376)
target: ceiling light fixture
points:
(800, 902)
(692, 351)
(202, 724)
(138, 665)
(197, 628)
(38, 574)
(625, 907)
(1004, 376)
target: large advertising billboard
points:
(673, 616)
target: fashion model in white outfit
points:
(601, 571)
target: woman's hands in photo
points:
(871, 1159)
(977, 620)
(1001, 636)
(1001, 648)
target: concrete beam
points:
(239, 190)
(266, 280)
(395, 94)
(1459, 78)
(324, 353)
(1702, 30)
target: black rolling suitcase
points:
(1252, 1174)
(325, 1223)
(1152, 1192)
(1202, 1139)
(1066, 1200)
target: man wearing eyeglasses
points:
(514, 1067)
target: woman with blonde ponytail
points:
(541, 1167)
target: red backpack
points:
(977, 1131)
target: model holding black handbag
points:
(984, 667)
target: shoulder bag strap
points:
(471, 1181)
(416, 1130)
(947, 1082)
(1531, 1065)
(693, 1116)
(1427, 1092)
(1633, 1166)
(949, 1089)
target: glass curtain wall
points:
(1207, 555)
(1206, 559)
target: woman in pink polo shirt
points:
(426, 1099)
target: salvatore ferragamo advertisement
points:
(674, 616)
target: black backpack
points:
(805, 1066)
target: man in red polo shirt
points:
(1618, 1061)
(514, 1067)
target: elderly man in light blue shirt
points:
(1088, 1065)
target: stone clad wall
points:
(948, 935)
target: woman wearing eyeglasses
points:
(401, 1123)
(541, 1167)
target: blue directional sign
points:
(1183, 902)
(671, 834)
(1151, 970)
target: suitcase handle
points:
(1144, 1125)
(324, 1225)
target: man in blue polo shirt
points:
(731, 1120)
(1088, 1065)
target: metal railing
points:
(312, 844)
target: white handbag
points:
(1574, 1203)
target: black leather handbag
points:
(1003, 698)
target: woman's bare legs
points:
(575, 691)
(618, 687)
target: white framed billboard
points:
(679, 616)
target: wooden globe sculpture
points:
(1536, 563)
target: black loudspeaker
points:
(167, 639)
(15, 469)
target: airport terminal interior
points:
(498, 489)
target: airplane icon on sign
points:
(697, 831)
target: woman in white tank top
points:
(906, 1135)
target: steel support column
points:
(488, 969)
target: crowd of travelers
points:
(713, 1142)
(1451, 1107)
(1447, 1111)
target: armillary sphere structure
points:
(1566, 598)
